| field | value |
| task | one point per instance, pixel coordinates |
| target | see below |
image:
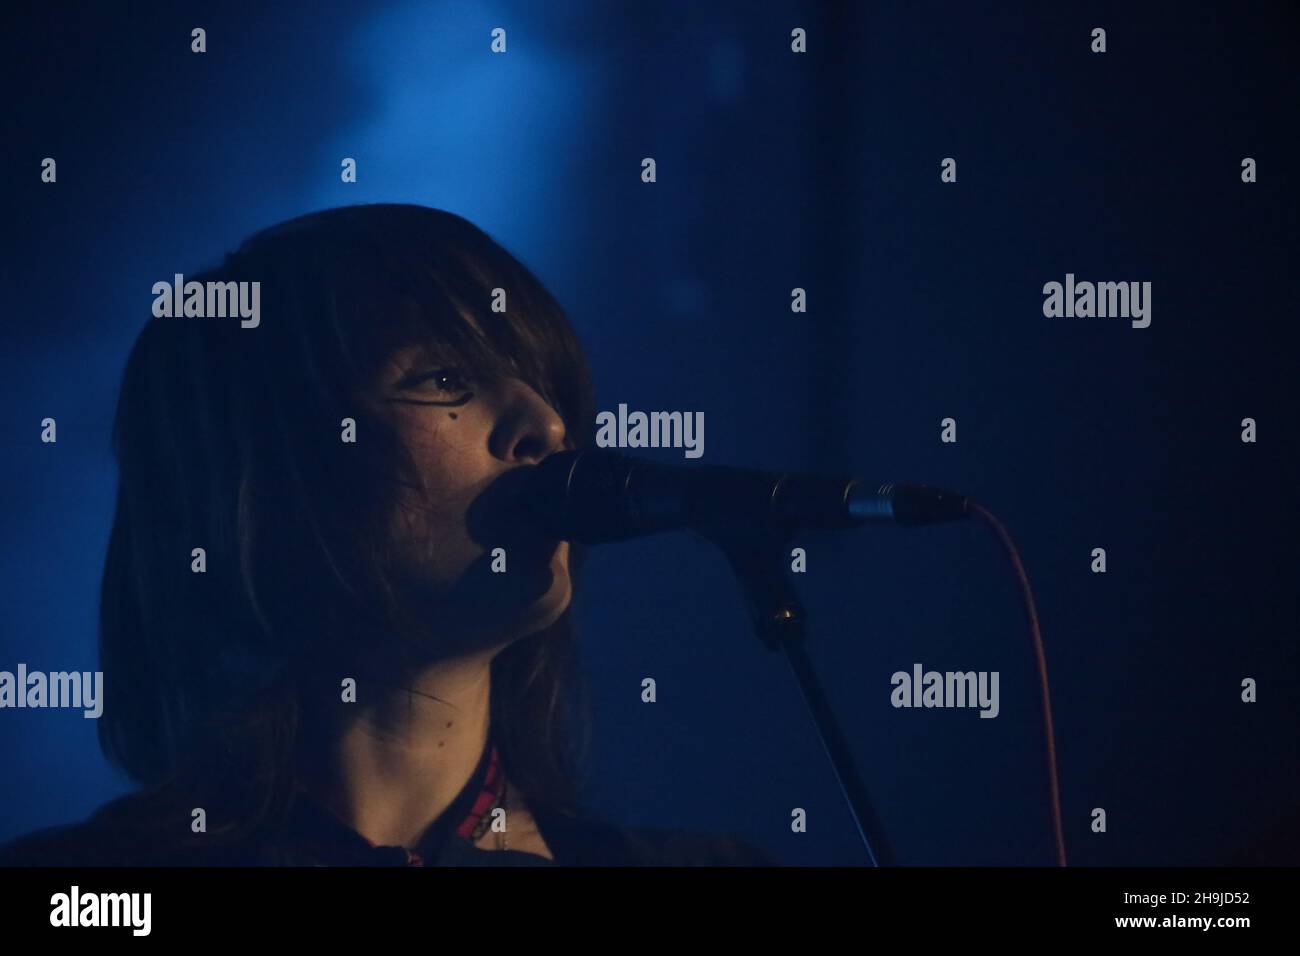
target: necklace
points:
(501, 800)
(505, 802)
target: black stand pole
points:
(759, 562)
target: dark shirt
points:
(311, 835)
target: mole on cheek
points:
(451, 414)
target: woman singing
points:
(324, 640)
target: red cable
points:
(1036, 634)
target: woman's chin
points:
(551, 601)
(503, 607)
(533, 597)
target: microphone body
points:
(595, 496)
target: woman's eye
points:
(448, 387)
(443, 379)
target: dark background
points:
(775, 170)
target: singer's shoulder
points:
(589, 840)
(135, 829)
(93, 841)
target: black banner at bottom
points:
(328, 905)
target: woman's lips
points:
(532, 549)
(497, 516)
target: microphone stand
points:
(758, 559)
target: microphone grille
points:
(580, 496)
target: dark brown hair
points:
(228, 439)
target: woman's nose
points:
(528, 428)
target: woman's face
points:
(463, 435)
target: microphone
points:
(594, 496)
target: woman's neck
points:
(391, 762)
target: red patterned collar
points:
(482, 792)
(490, 795)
